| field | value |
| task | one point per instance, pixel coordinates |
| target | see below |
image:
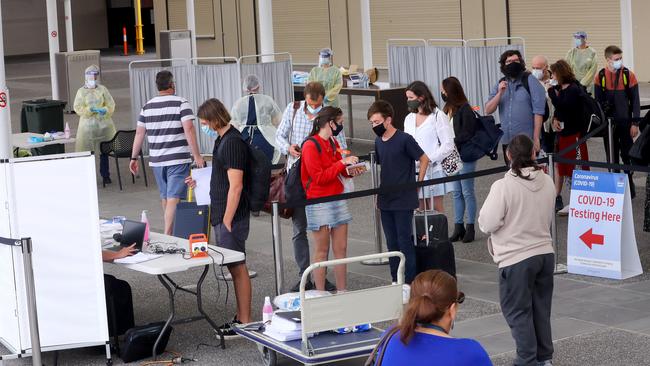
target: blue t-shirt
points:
(427, 349)
(397, 158)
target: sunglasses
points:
(461, 297)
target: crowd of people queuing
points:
(537, 110)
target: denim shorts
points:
(331, 214)
(171, 180)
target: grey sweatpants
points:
(526, 293)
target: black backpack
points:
(593, 114)
(606, 107)
(524, 82)
(294, 192)
(258, 179)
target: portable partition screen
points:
(407, 63)
(443, 61)
(214, 79)
(274, 76)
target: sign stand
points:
(601, 240)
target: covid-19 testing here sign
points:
(601, 239)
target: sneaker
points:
(227, 331)
(329, 286)
(559, 204)
(106, 180)
(564, 211)
(545, 363)
(308, 286)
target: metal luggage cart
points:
(321, 314)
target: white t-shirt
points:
(434, 135)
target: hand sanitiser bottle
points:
(146, 221)
(66, 131)
(267, 310)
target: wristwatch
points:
(136, 159)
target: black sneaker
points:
(559, 204)
(329, 286)
(106, 180)
(227, 331)
(308, 286)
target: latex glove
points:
(101, 111)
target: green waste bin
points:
(40, 116)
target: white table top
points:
(21, 140)
(170, 263)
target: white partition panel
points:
(53, 200)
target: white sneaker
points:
(564, 211)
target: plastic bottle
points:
(66, 131)
(146, 221)
(267, 310)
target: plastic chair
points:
(121, 146)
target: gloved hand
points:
(99, 110)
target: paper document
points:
(202, 190)
(137, 258)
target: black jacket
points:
(465, 124)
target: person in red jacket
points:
(322, 170)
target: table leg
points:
(171, 315)
(350, 118)
(199, 303)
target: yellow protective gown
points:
(93, 127)
(584, 64)
(332, 80)
(268, 114)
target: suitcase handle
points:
(426, 220)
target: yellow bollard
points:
(139, 46)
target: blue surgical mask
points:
(314, 111)
(324, 61)
(578, 42)
(617, 65)
(208, 131)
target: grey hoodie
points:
(517, 215)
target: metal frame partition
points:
(431, 43)
(404, 40)
(263, 58)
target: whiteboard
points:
(55, 203)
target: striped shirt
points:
(163, 118)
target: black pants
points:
(525, 293)
(622, 144)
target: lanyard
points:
(433, 326)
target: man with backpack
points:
(294, 128)
(617, 90)
(521, 100)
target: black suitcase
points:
(139, 341)
(191, 219)
(119, 307)
(433, 249)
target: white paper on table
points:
(137, 258)
(202, 190)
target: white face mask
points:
(617, 65)
(552, 82)
(538, 73)
(91, 81)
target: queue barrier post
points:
(374, 176)
(559, 268)
(277, 249)
(610, 141)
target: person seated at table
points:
(229, 208)
(110, 256)
(422, 335)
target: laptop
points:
(132, 232)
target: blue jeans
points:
(464, 197)
(398, 229)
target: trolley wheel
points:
(109, 362)
(269, 356)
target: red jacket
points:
(320, 171)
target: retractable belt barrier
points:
(597, 164)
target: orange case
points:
(198, 245)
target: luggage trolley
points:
(322, 314)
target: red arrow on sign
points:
(589, 238)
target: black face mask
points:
(513, 69)
(443, 96)
(337, 130)
(413, 105)
(379, 130)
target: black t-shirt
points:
(397, 158)
(230, 152)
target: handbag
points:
(375, 358)
(276, 188)
(451, 164)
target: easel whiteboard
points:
(53, 200)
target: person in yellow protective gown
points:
(583, 61)
(257, 117)
(94, 105)
(329, 76)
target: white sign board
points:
(600, 238)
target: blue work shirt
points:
(517, 108)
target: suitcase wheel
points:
(269, 357)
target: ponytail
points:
(432, 294)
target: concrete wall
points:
(25, 32)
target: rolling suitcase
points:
(433, 249)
